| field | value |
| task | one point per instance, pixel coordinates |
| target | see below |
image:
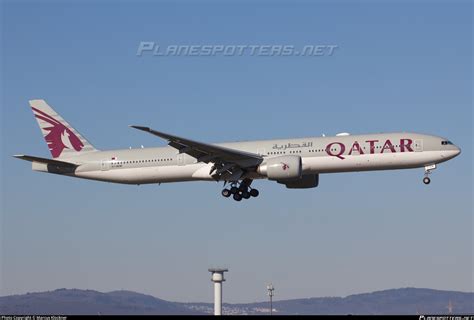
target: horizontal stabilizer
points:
(46, 161)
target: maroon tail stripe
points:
(45, 115)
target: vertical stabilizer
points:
(62, 139)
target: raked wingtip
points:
(139, 127)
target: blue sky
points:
(398, 67)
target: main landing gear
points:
(428, 169)
(240, 191)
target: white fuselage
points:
(343, 153)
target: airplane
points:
(295, 163)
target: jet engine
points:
(307, 181)
(282, 168)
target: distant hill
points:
(394, 301)
(75, 301)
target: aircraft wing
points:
(226, 159)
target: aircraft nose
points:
(458, 151)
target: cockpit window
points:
(446, 142)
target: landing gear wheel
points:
(426, 180)
(237, 197)
(254, 193)
(245, 194)
(239, 190)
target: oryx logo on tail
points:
(61, 138)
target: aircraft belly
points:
(144, 175)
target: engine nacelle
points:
(283, 168)
(307, 181)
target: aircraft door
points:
(180, 158)
(105, 165)
(418, 145)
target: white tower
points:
(270, 289)
(217, 278)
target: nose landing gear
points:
(240, 190)
(428, 169)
